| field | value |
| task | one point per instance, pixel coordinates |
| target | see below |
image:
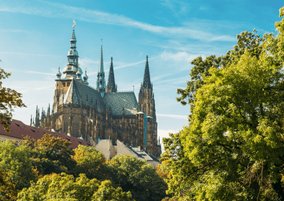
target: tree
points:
(138, 177)
(8, 191)
(9, 99)
(106, 192)
(233, 148)
(15, 165)
(89, 161)
(66, 187)
(51, 154)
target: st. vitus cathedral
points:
(99, 113)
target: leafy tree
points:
(106, 192)
(15, 165)
(138, 177)
(7, 189)
(65, 187)
(174, 159)
(89, 161)
(199, 71)
(9, 99)
(246, 41)
(234, 146)
(51, 155)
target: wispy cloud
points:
(178, 56)
(21, 31)
(177, 7)
(32, 54)
(50, 9)
(173, 116)
(38, 73)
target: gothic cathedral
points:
(99, 113)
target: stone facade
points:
(100, 113)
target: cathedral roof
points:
(82, 94)
(121, 103)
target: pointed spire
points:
(58, 75)
(102, 60)
(37, 117)
(101, 83)
(70, 71)
(85, 78)
(146, 80)
(48, 111)
(111, 86)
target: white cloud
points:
(178, 7)
(179, 56)
(38, 73)
(173, 116)
(94, 16)
(127, 65)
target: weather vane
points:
(74, 24)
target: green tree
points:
(9, 99)
(8, 191)
(51, 155)
(90, 162)
(106, 192)
(15, 165)
(233, 148)
(138, 177)
(68, 188)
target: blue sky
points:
(34, 39)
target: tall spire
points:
(111, 86)
(102, 60)
(72, 53)
(72, 70)
(146, 80)
(101, 83)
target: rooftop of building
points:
(19, 131)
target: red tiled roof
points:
(19, 130)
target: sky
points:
(34, 39)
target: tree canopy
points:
(9, 99)
(233, 148)
(138, 177)
(66, 187)
(48, 169)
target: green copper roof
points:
(81, 94)
(121, 103)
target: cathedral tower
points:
(147, 106)
(101, 83)
(111, 86)
(146, 95)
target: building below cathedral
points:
(95, 114)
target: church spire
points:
(111, 86)
(72, 53)
(101, 83)
(146, 80)
(72, 70)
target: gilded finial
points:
(74, 24)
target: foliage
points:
(89, 161)
(9, 99)
(15, 165)
(174, 159)
(106, 192)
(52, 155)
(138, 177)
(61, 173)
(233, 148)
(7, 189)
(66, 187)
